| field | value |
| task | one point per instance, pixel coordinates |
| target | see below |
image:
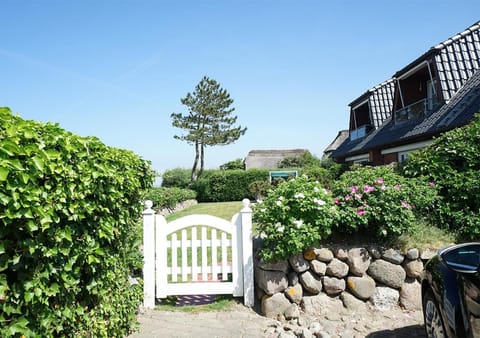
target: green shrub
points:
(259, 189)
(376, 203)
(322, 175)
(178, 177)
(452, 162)
(293, 217)
(379, 203)
(169, 197)
(306, 159)
(229, 185)
(69, 212)
(233, 165)
(334, 167)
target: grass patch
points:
(224, 210)
(426, 236)
(423, 236)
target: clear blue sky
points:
(118, 69)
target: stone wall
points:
(380, 277)
(178, 207)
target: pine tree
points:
(209, 121)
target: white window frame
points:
(407, 148)
(358, 158)
(402, 156)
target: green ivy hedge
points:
(69, 232)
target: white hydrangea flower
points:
(279, 227)
(316, 189)
(298, 223)
(278, 203)
(319, 201)
(299, 195)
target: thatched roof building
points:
(269, 159)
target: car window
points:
(465, 257)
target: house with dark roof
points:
(341, 137)
(367, 113)
(436, 92)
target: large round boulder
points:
(392, 275)
(361, 287)
(311, 282)
(358, 260)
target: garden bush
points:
(259, 189)
(294, 216)
(374, 203)
(379, 203)
(452, 162)
(322, 175)
(228, 185)
(305, 159)
(69, 226)
(169, 197)
(335, 169)
(233, 165)
(178, 178)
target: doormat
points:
(191, 300)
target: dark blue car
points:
(451, 292)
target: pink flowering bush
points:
(375, 202)
(293, 217)
(378, 202)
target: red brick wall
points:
(389, 158)
(376, 157)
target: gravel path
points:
(246, 323)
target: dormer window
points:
(360, 124)
(416, 97)
(360, 132)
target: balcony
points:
(417, 110)
(360, 132)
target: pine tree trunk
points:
(193, 177)
(202, 159)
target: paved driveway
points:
(246, 323)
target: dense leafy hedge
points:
(452, 162)
(228, 185)
(169, 197)
(69, 211)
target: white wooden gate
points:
(197, 255)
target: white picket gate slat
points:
(225, 250)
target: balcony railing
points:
(417, 110)
(360, 132)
